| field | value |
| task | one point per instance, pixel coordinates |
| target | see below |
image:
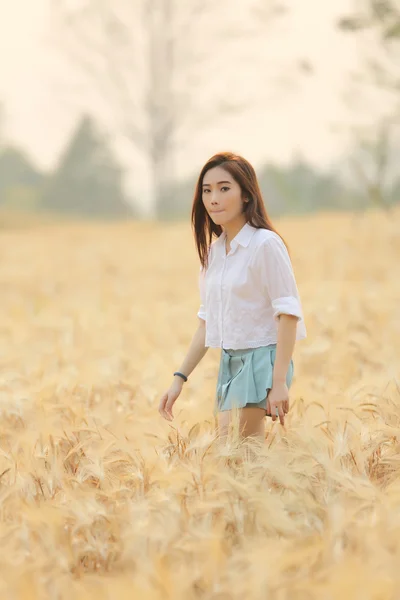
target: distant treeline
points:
(88, 182)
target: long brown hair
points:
(244, 174)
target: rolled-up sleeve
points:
(202, 288)
(278, 278)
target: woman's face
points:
(222, 196)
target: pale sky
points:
(40, 114)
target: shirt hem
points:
(248, 343)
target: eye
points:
(225, 188)
(205, 190)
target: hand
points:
(278, 398)
(168, 400)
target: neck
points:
(232, 229)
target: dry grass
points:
(100, 498)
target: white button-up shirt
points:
(243, 292)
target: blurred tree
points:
(395, 191)
(371, 158)
(161, 66)
(380, 15)
(20, 180)
(377, 23)
(1, 125)
(16, 170)
(299, 188)
(87, 181)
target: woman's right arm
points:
(195, 353)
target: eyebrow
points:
(218, 183)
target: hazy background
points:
(111, 110)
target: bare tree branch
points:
(381, 20)
(148, 60)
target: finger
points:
(168, 408)
(273, 411)
(161, 406)
(162, 409)
(268, 408)
(281, 414)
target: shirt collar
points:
(242, 238)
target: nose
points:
(213, 198)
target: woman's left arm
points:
(280, 285)
(285, 346)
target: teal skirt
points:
(245, 377)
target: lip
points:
(214, 212)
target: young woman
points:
(250, 304)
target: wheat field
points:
(102, 499)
